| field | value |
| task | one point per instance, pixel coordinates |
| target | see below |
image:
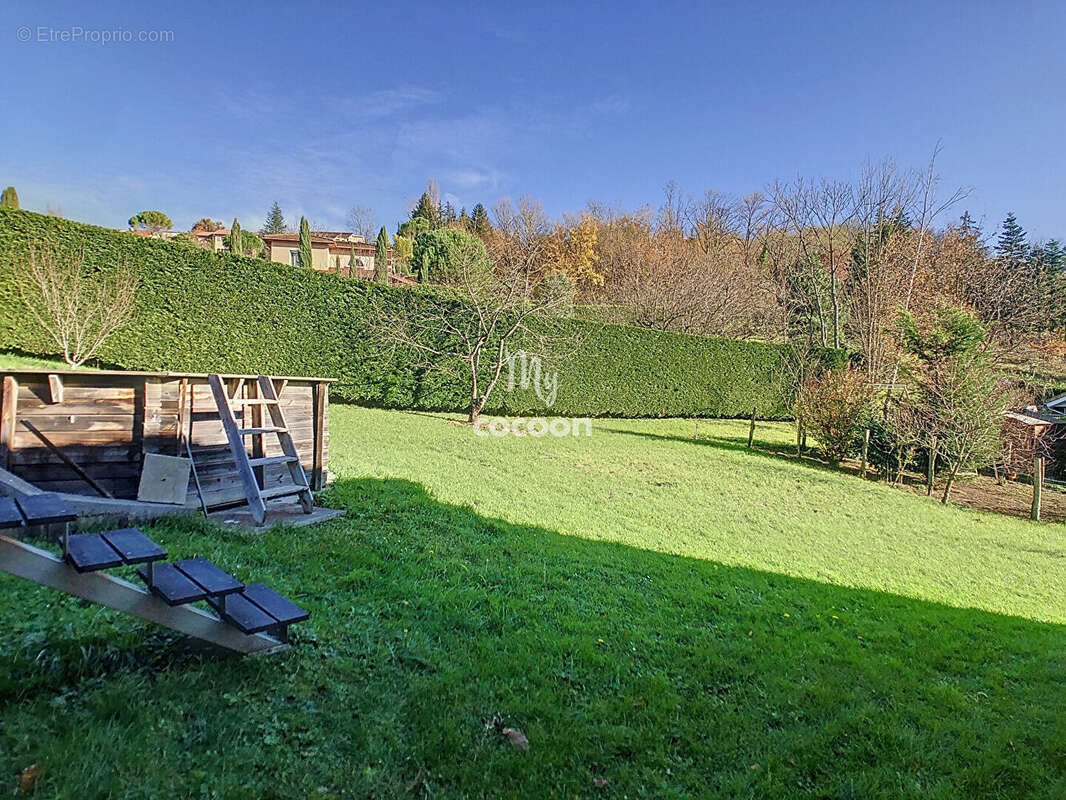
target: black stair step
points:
(280, 608)
(134, 546)
(9, 514)
(172, 585)
(271, 460)
(89, 552)
(212, 578)
(243, 614)
(257, 431)
(45, 508)
(282, 491)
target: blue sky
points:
(324, 107)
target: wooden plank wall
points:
(106, 424)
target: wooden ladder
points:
(267, 398)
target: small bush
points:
(835, 406)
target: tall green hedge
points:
(198, 311)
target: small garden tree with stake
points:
(956, 386)
(79, 311)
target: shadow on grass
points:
(760, 448)
(433, 627)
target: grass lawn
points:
(662, 613)
(10, 359)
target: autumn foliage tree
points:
(572, 251)
(834, 406)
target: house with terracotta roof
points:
(212, 240)
(343, 252)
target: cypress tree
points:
(9, 198)
(236, 246)
(275, 221)
(305, 244)
(381, 257)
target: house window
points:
(294, 258)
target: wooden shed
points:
(88, 432)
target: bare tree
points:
(362, 220)
(473, 337)
(519, 240)
(929, 209)
(79, 311)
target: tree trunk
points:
(951, 480)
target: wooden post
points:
(751, 431)
(8, 412)
(865, 452)
(930, 469)
(251, 390)
(319, 401)
(1038, 485)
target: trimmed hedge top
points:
(206, 312)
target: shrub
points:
(835, 405)
(203, 312)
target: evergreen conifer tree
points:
(275, 221)
(1012, 244)
(236, 246)
(305, 244)
(479, 219)
(381, 257)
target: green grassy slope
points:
(675, 617)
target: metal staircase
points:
(249, 619)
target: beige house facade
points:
(343, 252)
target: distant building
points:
(212, 240)
(331, 251)
(151, 234)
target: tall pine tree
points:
(275, 221)
(968, 226)
(479, 219)
(1013, 244)
(9, 198)
(305, 244)
(381, 257)
(427, 209)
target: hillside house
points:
(212, 240)
(331, 251)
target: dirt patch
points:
(1012, 498)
